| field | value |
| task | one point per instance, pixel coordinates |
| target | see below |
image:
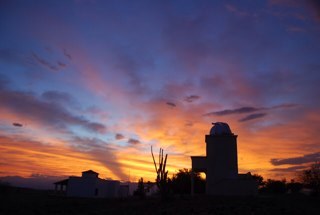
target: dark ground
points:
(26, 201)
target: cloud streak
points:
(296, 160)
(119, 136)
(133, 141)
(28, 106)
(248, 109)
(192, 98)
(252, 117)
(171, 104)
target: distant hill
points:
(35, 181)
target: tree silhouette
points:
(311, 177)
(258, 178)
(140, 190)
(274, 187)
(181, 182)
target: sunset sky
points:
(89, 84)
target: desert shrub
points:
(311, 178)
(274, 187)
(181, 182)
(140, 191)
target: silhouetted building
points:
(88, 185)
(221, 164)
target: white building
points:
(88, 185)
(221, 164)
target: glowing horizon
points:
(94, 84)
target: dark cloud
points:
(192, 98)
(119, 136)
(233, 111)
(16, 124)
(26, 104)
(289, 169)
(243, 110)
(315, 6)
(252, 116)
(67, 54)
(45, 63)
(52, 66)
(296, 160)
(95, 126)
(86, 144)
(284, 106)
(171, 104)
(134, 141)
(62, 65)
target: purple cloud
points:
(233, 111)
(296, 160)
(289, 169)
(252, 116)
(27, 105)
(45, 63)
(243, 110)
(134, 141)
(119, 136)
(171, 104)
(192, 98)
(67, 54)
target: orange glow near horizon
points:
(75, 95)
(55, 158)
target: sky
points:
(89, 84)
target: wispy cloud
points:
(67, 54)
(133, 141)
(233, 111)
(249, 109)
(296, 160)
(56, 66)
(171, 104)
(252, 116)
(289, 169)
(192, 98)
(28, 105)
(119, 136)
(45, 63)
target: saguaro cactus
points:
(162, 174)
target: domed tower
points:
(222, 160)
(221, 165)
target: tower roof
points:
(220, 128)
(90, 172)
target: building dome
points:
(220, 128)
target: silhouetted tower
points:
(222, 161)
(221, 164)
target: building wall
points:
(92, 187)
(81, 187)
(235, 187)
(222, 161)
